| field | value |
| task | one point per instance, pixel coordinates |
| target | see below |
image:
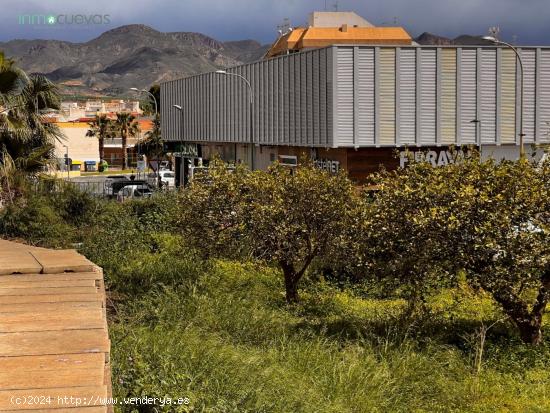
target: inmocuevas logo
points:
(63, 19)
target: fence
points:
(107, 189)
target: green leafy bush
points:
(36, 220)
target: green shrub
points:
(37, 221)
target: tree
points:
(487, 219)
(152, 145)
(279, 216)
(405, 241)
(127, 126)
(101, 128)
(26, 137)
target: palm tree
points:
(26, 137)
(101, 128)
(153, 146)
(127, 126)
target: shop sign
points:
(328, 165)
(437, 157)
(190, 150)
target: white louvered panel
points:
(344, 97)
(387, 96)
(488, 96)
(544, 94)
(468, 80)
(508, 97)
(448, 96)
(365, 96)
(428, 98)
(529, 58)
(407, 97)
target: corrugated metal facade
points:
(292, 103)
(366, 96)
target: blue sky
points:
(258, 19)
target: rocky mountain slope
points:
(128, 56)
(429, 39)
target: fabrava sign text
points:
(437, 157)
(328, 165)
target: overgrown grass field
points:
(226, 340)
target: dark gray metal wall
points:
(292, 103)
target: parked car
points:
(110, 181)
(118, 184)
(168, 178)
(134, 191)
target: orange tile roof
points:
(324, 36)
(311, 37)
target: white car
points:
(134, 191)
(168, 178)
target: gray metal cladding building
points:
(360, 98)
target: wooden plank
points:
(50, 298)
(67, 276)
(18, 261)
(45, 308)
(51, 362)
(58, 261)
(91, 409)
(31, 372)
(31, 290)
(54, 342)
(60, 397)
(79, 319)
(19, 380)
(48, 284)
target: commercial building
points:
(353, 106)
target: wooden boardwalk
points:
(54, 342)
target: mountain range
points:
(128, 56)
(140, 56)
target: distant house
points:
(82, 148)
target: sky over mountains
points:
(527, 20)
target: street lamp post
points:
(251, 121)
(518, 56)
(135, 89)
(477, 123)
(67, 162)
(180, 109)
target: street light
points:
(135, 89)
(67, 162)
(180, 108)
(251, 122)
(521, 134)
